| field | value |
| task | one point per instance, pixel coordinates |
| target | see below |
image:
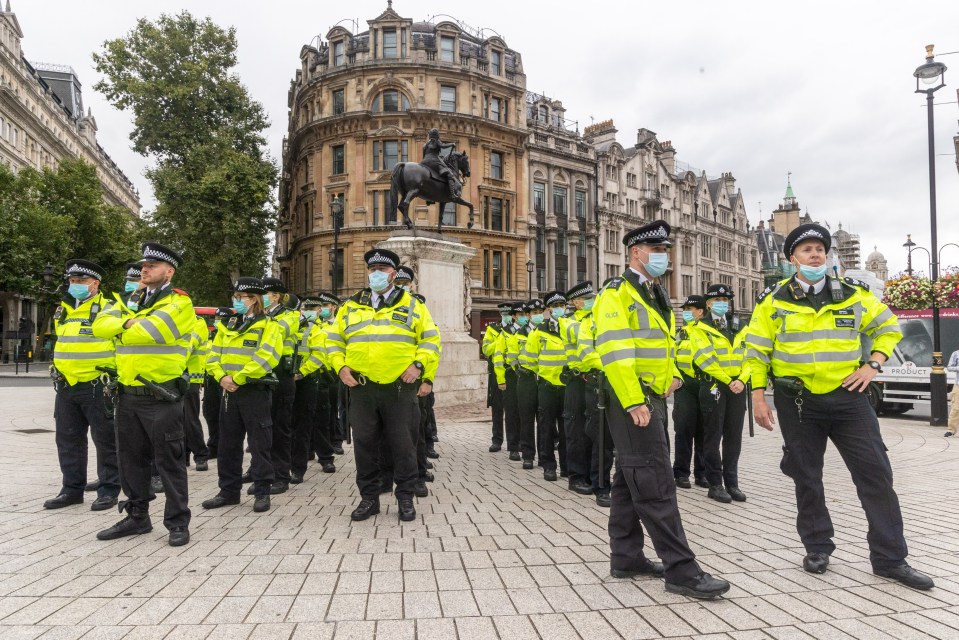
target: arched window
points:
(391, 101)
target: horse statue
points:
(414, 180)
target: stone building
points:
(876, 263)
(362, 102)
(562, 173)
(712, 242)
(42, 120)
(847, 246)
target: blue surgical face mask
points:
(688, 316)
(657, 265)
(720, 308)
(310, 315)
(266, 300)
(813, 274)
(588, 304)
(558, 312)
(326, 312)
(239, 306)
(79, 291)
(505, 317)
(131, 286)
(538, 318)
(405, 287)
(522, 321)
(379, 281)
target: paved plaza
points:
(495, 552)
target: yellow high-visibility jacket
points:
(500, 356)
(569, 327)
(788, 337)
(78, 352)
(382, 343)
(199, 351)
(715, 355)
(634, 342)
(245, 348)
(157, 347)
(544, 352)
(289, 321)
(490, 336)
(684, 350)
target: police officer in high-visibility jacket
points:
(687, 418)
(152, 346)
(527, 387)
(80, 401)
(576, 403)
(212, 392)
(505, 357)
(131, 283)
(545, 355)
(718, 351)
(805, 333)
(380, 344)
(311, 433)
(196, 367)
(242, 359)
(597, 430)
(634, 339)
(285, 393)
(494, 396)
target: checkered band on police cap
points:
(505, 306)
(310, 302)
(518, 307)
(375, 257)
(656, 232)
(405, 273)
(534, 305)
(133, 271)
(83, 268)
(156, 251)
(803, 232)
(554, 298)
(328, 298)
(580, 290)
(719, 291)
(274, 284)
(247, 284)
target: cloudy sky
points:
(759, 88)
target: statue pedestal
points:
(442, 277)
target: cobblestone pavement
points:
(495, 552)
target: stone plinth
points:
(442, 277)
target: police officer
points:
(527, 388)
(331, 409)
(80, 402)
(212, 393)
(805, 331)
(131, 283)
(244, 354)
(687, 417)
(634, 339)
(494, 396)
(545, 355)
(380, 344)
(285, 393)
(504, 358)
(578, 446)
(196, 367)
(311, 433)
(718, 351)
(152, 346)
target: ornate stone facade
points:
(362, 102)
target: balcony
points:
(650, 197)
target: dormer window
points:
(389, 43)
(339, 50)
(496, 63)
(543, 113)
(447, 49)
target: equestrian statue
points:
(435, 179)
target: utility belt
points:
(523, 372)
(366, 382)
(167, 391)
(547, 383)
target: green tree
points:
(213, 180)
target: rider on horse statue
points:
(431, 159)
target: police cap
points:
(582, 290)
(719, 291)
(154, 251)
(697, 302)
(83, 269)
(379, 257)
(806, 232)
(275, 285)
(534, 305)
(133, 271)
(554, 298)
(655, 233)
(405, 273)
(246, 284)
(328, 298)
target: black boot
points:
(135, 523)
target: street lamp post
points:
(932, 75)
(530, 265)
(909, 244)
(336, 209)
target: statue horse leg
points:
(469, 206)
(404, 206)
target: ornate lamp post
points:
(930, 77)
(530, 265)
(909, 244)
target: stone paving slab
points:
(495, 552)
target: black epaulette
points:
(615, 283)
(856, 283)
(363, 296)
(771, 289)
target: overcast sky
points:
(758, 88)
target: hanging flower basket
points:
(905, 292)
(946, 290)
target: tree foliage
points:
(55, 214)
(213, 180)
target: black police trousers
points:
(195, 443)
(527, 401)
(212, 392)
(379, 412)
(310, 428)
(644, 494)
(723, 416)
(578, 446)
(75, 409)
(151, 430)
(511, 412)
(284, 395)
(422, 412)
(688, 425)
(494, 400)
(549, 426)
(846, 418)
(339, 408)
(245, 413)
(592, 435)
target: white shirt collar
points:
(642, 278)
(382, 296)
(816, 287)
